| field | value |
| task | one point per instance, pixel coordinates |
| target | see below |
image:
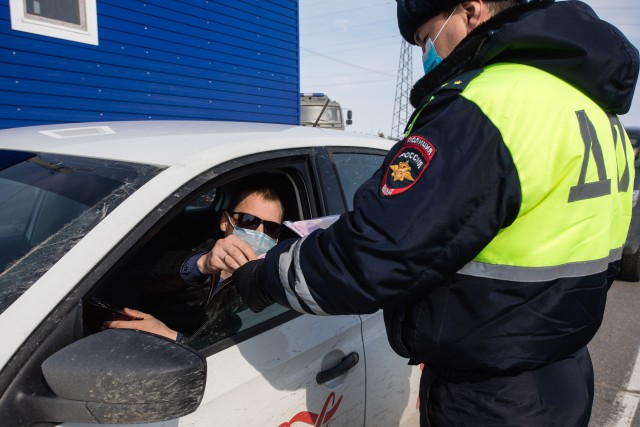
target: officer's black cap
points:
(413, 13)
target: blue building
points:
(65, 61)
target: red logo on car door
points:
(311, 418)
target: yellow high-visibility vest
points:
(575, 165)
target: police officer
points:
(493, 230)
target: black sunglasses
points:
(252, 222)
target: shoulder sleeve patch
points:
(407, 166)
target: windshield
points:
(310, 113)
(48, 203)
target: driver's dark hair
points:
(265, 192)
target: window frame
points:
(86, 32)
(300, 160)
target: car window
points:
(47, 203)
(151, 281)
(229, 317)
(354, 169)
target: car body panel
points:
(171, 142)
(270, 379)
(391, 382)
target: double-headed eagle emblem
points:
(401, 171)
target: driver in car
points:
(251, 226)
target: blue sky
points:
(350, 49)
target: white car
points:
(81, 204)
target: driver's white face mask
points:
(258, 241)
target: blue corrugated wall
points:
(209, 60)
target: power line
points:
(342, 75)
(361, 47)
(322, 2)
(370, 70)
(342, 43)
(350, 83)
(333, 29)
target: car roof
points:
(166, 143)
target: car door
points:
(272, 378)
(392, 385)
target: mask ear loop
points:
(229, 219)
(445, 23)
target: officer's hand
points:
(249, 281)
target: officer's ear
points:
(475, 12)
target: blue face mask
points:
(430, 58)
(259, 242)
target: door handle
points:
(347, 362)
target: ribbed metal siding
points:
(211, 60)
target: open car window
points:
(230, 317)
(150, 280)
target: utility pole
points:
(402, 107)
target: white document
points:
(307, 226)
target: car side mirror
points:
(349, 116)
(121, 376)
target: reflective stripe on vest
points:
(575, 166)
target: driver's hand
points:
(227, 255)
(147, 324)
